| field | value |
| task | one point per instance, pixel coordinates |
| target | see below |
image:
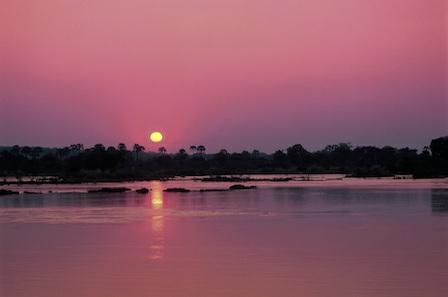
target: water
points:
(328, 237)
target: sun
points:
(156, 136)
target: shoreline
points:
(240, 177)
(221, 183)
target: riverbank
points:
(243, 177)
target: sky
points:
(234, 74)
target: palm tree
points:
(201, 149)
(193, 149)
(122, 147)
(255, 154)
(137, 149)
(162, 150)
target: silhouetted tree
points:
(122, 147)
(15, 150)
(137, 149)
(297, 155)
(439, 148)
(245, 155)
(111, 149)
(255, 154)
(426, 151)
(26, 151)
(99, 148)
(162, 150)
(62, 152)
(77, 147)
(201, 149)
(279, 158)
(182, 154)
(97, 162)
(222, 156)
(36, 152)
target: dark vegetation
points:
(98, 163)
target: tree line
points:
(120, 163)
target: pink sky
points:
(235, 74)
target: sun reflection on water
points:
(157, 222)
(157, 198)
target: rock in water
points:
(241, 187)
(142, 191)
(179, 190)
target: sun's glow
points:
(156, 136)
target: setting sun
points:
(156, 137)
